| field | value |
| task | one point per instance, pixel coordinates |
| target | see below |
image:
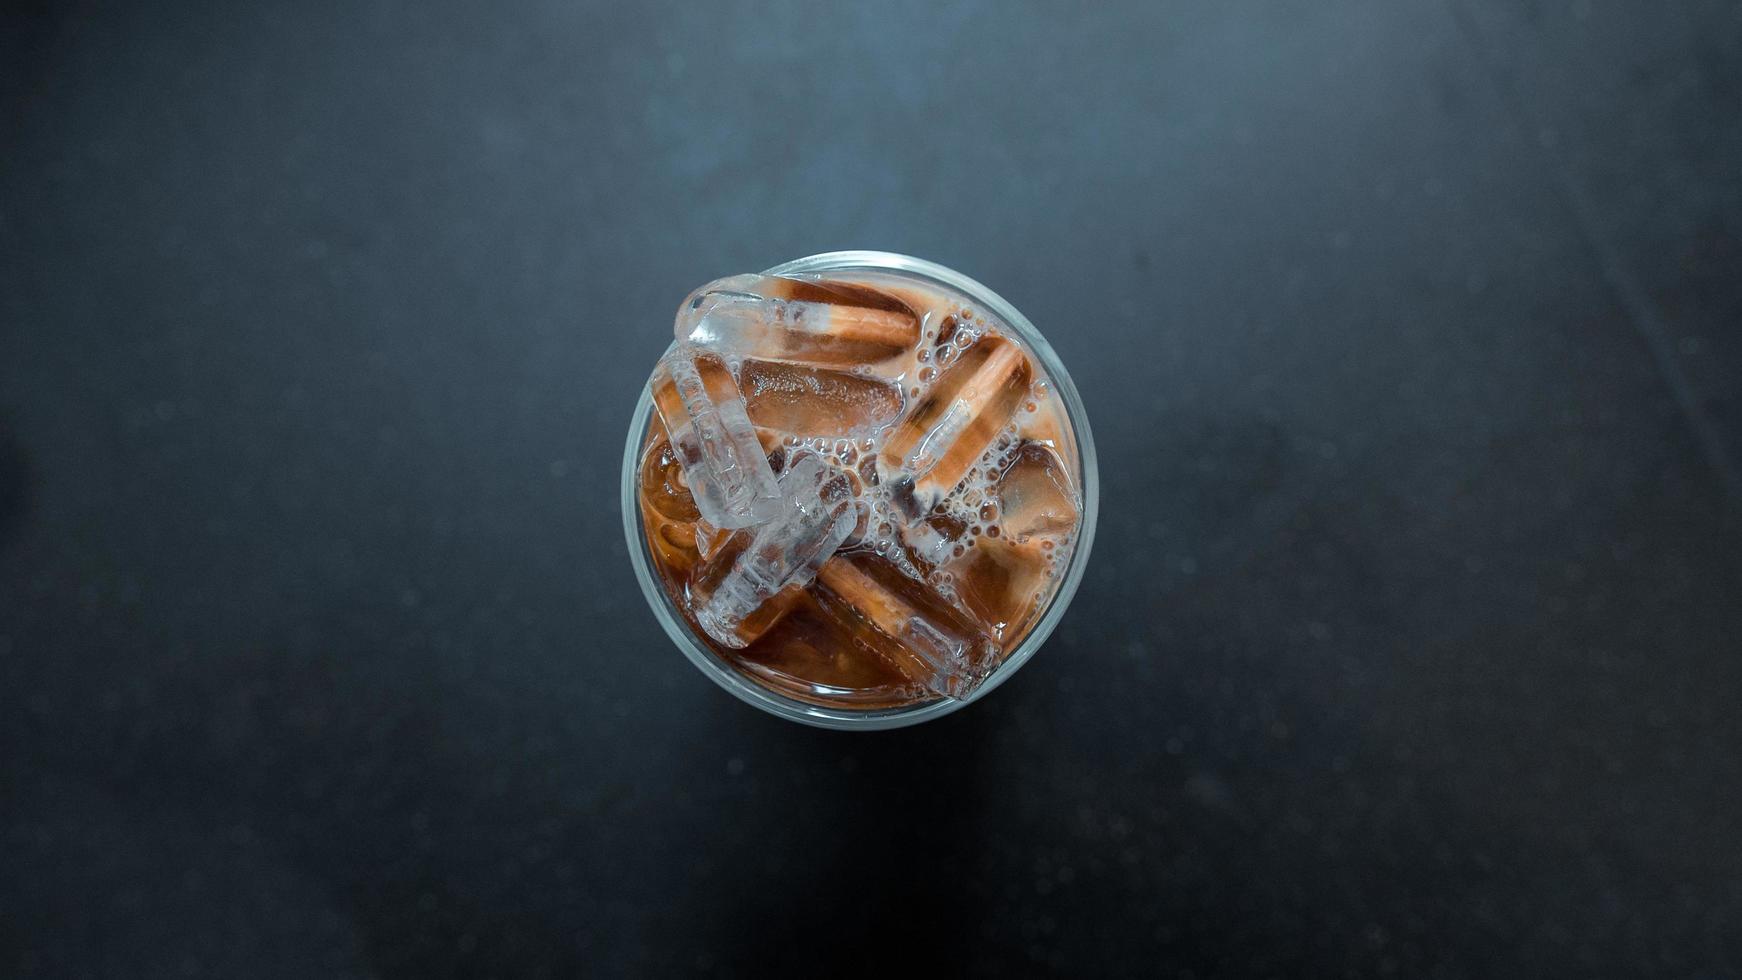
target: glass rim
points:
(677, 627)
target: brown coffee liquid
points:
(964, 470)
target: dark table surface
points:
(1412, 338)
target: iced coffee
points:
(859, 489)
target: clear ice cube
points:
(780, 318)
(709, 538)
(933, 540)
(1034, 496)
(907, 623)
(806, 400)
(1000, 581)
(751, 579)
(933, 447)
(1003, 574)
(809, 656)
(722, 458)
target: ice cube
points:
(709, 538)
(809, 656)
(933, 447)
(1034, 496)
(1000, 581)
(1002, 573)
(721, 456)
(816, 401)
(906, 622)
(996, 579)
(780, 318)
(751, 578)
(932, 541)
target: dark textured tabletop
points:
(1412, 338)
